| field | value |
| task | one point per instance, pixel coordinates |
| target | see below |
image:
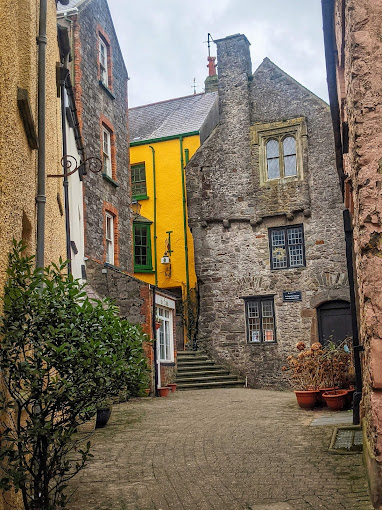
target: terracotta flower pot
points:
(163, 392)
(157, 325)
(320, 397)
(147, 391)
(306, 399)
(172, 387)
(335, 399)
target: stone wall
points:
(97, 105)
(359, 72)
(231, 210)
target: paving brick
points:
(221, 449)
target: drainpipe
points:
(184, 214)
(41, 198)
(357, 348)
(154, 331)
(64, 74)
(155, 222)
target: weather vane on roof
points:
(209, 38)
(194, 86)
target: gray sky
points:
(162, 41)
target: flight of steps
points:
(197, 371)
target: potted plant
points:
(172, 387)
(337, 363)
(103, 413)
(163, 391)
(303, 371)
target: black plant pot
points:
(103, 416)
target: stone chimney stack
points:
(211, 82)
(235, 74)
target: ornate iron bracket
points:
(93, 164)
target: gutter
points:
(155, 222)
(163, 138)
(184, 214)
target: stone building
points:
(353, 48)
(100, 90)
(100, 86)
(265, 212)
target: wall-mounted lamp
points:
(136, 208)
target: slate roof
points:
(170, 118)
(71, 5)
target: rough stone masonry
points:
(234, 202)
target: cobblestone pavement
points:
(220, 449)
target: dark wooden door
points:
(334, 321)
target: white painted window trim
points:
(109, 219)
(104, 75)
(170, 321)
(106, 137)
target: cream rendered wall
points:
(18, 163)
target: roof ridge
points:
(168, 100)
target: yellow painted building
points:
(163, 137)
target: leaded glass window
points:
(273, 159)
(281, 157)
(138, 181)
(260, 320)
(289, 152)
(287, 247)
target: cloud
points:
(164, 49)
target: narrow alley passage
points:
(222, 449)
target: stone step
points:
(206, 379)
(197, 368)
(192, 359)
(209, 385)
(200, 373)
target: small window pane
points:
(272, 149)
(289, 145)
(138, 180)
(295, 235)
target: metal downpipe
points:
(41, 197)
(155, 218)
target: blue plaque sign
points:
(292, 295)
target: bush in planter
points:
(303, 369)
(60, 354)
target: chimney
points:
(234, 57)
(211, 82)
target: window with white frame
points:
(286, 245)
(106, 151)
(109, 238)
(260, 318)
(165, 337)
(103, 62)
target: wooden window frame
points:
(138, 196)
(260, 300)
(109, 242)
(109, 170)
(169, 348)
(285, 229)
(103, 71)
(140, 268)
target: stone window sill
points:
(107, 90)
(109, 179)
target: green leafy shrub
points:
(60, 355)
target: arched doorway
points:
(334, 321)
